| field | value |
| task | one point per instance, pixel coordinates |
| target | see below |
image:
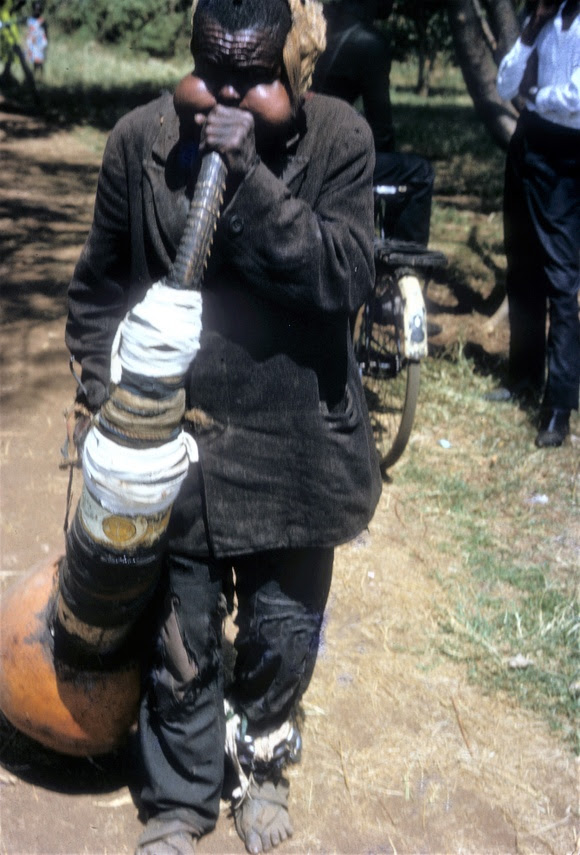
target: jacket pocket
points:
(341, 416)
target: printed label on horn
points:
(120, 532)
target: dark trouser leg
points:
(281, 601)
(182, 729)
(564, 351)
(525, 283)
(542, 219)
(412, 207)
(555, 206)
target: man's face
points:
(242, 69)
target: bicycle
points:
(390, 334)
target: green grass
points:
(503, 516)
(87, 84)
(89, 64)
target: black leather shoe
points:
(554, 428)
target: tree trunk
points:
(504, 24)
(477, 62)
(421, 31)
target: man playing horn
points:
(287, 468)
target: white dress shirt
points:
(557, 94)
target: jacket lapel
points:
(165, 187)
(165, 191)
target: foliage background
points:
(159, 28)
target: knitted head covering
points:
(305, 42)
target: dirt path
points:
(401, 753)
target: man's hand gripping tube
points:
(136, 454)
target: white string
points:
(263, 748)
(141, 344)
(131, 481)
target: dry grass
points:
(412, 753)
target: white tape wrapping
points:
(141, 344)
(132, 481)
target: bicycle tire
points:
(412, 373)
(391, 392)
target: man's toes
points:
(254, 843)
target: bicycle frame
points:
(414, 317)
(391, 333)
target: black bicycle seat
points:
(406, 253)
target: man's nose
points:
(229, 94)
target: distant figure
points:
(36, 39)
(9, 38)
(542, 215)
(357, 64)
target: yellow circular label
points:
(119, 529)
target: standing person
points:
(10, 41)
(36, 39)
(357, 64)
(542, 215)
(287, 464)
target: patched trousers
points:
(281, 597)
(542, 244)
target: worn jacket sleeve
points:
(97, 296)
(314, 254)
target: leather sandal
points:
(166, 837)
(262, 819)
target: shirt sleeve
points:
(561, 103)
(512, 69)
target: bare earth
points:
(401, 754)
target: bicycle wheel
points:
(391, 382)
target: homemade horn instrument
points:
(69, 673)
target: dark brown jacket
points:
(285, 445)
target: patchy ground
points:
(402, 754)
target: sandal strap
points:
(269, 792)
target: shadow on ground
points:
(36, 765)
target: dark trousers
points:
(542, 244)
(409, 208)
(281, 596)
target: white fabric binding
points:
(159, 337)
(132, 481)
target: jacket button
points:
(236, 225)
